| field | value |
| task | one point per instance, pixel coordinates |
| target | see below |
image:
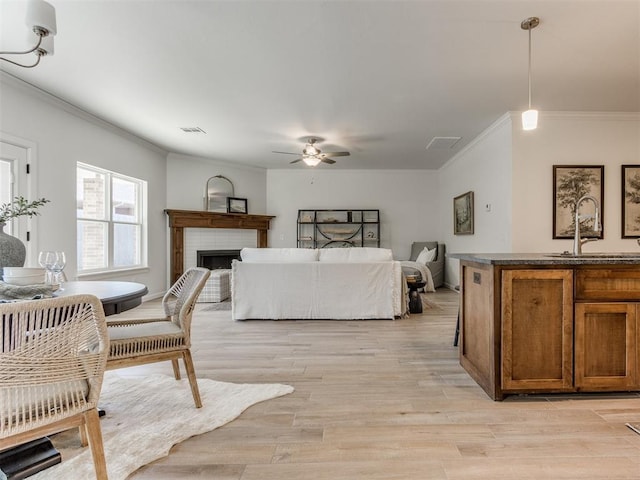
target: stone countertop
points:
(601, 258)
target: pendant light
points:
(41, 20)
(530, 117)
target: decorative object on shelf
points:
(338, 228)
(530, 117)
(571, 182)
(216, 192)
(41, 18)
(630, 201)
(236, 205)
(12, 250)
(463, 214)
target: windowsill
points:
(112, 273)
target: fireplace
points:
(217, 259)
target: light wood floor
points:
(386, 400)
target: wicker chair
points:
(140, 341)
(52, 361)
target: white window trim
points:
(143, 222)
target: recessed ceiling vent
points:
(443, 143)
(192, 130)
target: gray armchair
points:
(437, 265)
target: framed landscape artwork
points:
(630, 201)
(236, 205)
(463, 214)
(570, 183)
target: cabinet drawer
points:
(608, 284)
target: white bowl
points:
(24, 280)
(22, 271)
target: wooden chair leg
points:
(94, 433)
(84, 441)
(191, 374)
(176, 368)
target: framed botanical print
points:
(630, 201)
(570, 183)
(463, 214)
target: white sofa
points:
(302, 283)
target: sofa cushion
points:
(355, 255)
(417, 247)
(279, 255)
(427, 255)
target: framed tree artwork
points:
(463, 214)
(630, 201)
(570, 183)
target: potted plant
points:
(12, 250)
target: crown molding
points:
(56, 101)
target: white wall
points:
(63, 136)
(483, 167)
(609, 139)
(187, 179)
(407, 200)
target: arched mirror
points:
(216, 192)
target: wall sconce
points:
(41, 19)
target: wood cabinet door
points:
(537, 330)
(605, 346)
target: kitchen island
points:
(550, 323)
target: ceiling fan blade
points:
(328, 160)
(296, 161)
(337, 154)
(286, 153)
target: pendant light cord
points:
(530, 68)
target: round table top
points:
(416, 285)
(106, 291)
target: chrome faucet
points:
(577, 241)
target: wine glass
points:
(57, 268)
(53, 262)
(46, 259)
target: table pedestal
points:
(415, 302)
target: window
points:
(111, 218)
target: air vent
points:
(192, 130)
(443, 143)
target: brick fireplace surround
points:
(181, 219)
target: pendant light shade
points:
(41, 20)
(311, 160)
(530, 120)
(530, 117)
(41, 15)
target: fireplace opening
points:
(217, 259)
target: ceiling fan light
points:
(530, 119)
(311, 161)
(41, 17)
(310, 150)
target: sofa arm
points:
(437, 267)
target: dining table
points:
(116, 297)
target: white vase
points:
(12, 250)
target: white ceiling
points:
(377, 78)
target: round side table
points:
(415, 302)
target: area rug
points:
(215, 307)
(146, 417)
(427, 304)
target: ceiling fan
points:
(312, 155)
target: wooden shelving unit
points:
(338, 228)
